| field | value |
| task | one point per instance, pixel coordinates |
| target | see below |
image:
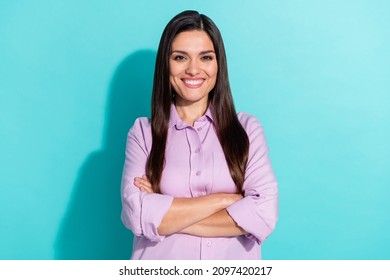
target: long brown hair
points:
(231, 134)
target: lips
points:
(193, 83)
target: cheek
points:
(173, 83)
(173, 76)
(212, 70)
(174, 70)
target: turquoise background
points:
(75, 74)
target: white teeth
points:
(193, 82)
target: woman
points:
(197, 181)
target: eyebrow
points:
(201, 53)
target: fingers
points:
(143, 184)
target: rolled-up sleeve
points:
(257, 212)
(141, 213)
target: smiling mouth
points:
(193, 83)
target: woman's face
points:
(193, 67)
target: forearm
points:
(185, 212)
(219, 224)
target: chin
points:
(191, 97)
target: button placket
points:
(195, 161)
(207, 248)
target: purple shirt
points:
(196, 166)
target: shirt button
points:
(198, 173)
(208, 243)
(199, 129)
(197, 151)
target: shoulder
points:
(249, 122)
(141, 123)
(141, 128)
(255, 132)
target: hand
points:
(143, 184)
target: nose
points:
(193, 67)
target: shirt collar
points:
(175, 120)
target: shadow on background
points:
(92, 228)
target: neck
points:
(189, 113)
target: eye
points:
(207, 57)
(179, 58)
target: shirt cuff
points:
(154, 207)
(245, 213)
